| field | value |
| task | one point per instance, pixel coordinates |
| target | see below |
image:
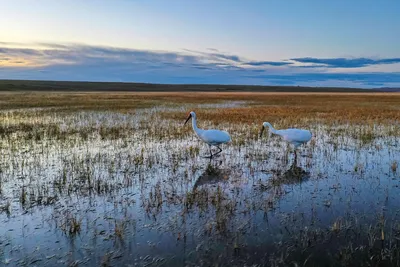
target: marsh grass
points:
(119, 172)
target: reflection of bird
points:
(211, 175)
(211, 137)
(296, 137)
(293, 175)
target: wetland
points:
(115, 179)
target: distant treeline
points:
(28, 85)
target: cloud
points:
(345, 62)
(269, 63)
(317, 77)
(224, 56)
(18, 51)
(215, 55)
(236, 59)
(77, 62)
(79, 55)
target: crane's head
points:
(190, 115)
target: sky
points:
(267, 42)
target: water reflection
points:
(293, 175)
(212, 174)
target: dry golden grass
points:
(295, 108)
(287, 108)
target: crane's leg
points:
(211, 154)
(220, 150)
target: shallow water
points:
(147, 197)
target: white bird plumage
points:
(296, 137)
(211, 137)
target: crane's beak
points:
(190, 115)
(262, 130)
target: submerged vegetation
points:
(116, 179)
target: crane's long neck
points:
(194, 125)
(271, 128)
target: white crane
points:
(296, 137)
(211, 137)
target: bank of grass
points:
(381, 108)
(44, 112)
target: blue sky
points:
(318, 43)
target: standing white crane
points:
(296, 137)
(211, 137)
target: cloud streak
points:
(268, 63)
(96, 63)
(345, 62)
